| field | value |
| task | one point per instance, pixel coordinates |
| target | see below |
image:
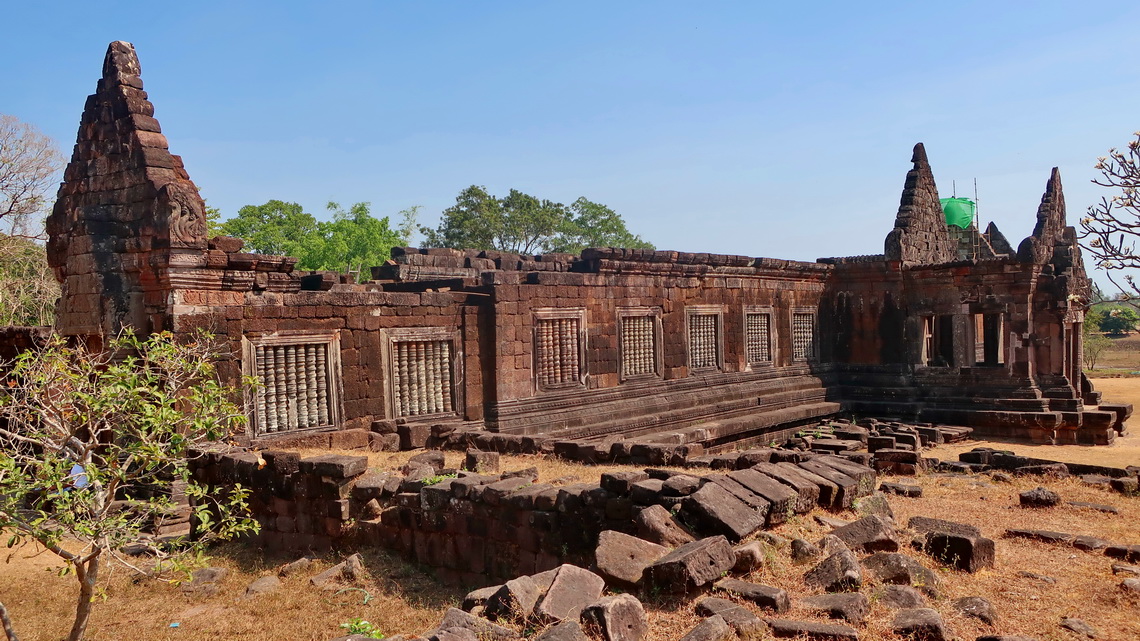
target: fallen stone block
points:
(901, 489)
(1079, 626)
(839, 572)
(432, 458)
(1052, 470)
(1090, 543)
(476, 600)
(656, 525)
(847, 488)
(851, 607)
(804, 551)
(746, 624)
(783, 499)
(622, 559)
(1107, 509)
(785, 628)
(977, 607)
(750, 556)
(921, 624)
(901, 597)
(925, 524)
(1128, 485)
(900, 569)
(335, 466)
(621, 483)
(967, 553)
(713, 509)
(868, 534)
(765, 596)
(829, 493)
(713, 628)
(617, 618)
(481, 462)
(1130, 553)
(514, 601)
(572, 589)
(647, 492)
(680, 485)
(263, 585)
(565, 631)
(456, 619)
(1039, 497)
(1127, 570)
(807, 492)
(875, 504)
(690, 566)
(413, 436)
(746, 496)
(864, 476)
(1061, 538)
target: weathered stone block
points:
(690, 566)
(622, 558)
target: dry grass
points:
(403, 598)
(550, 470)
(406, 599)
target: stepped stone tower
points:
(126, 214)
(920, 235)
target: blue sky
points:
(752, 128)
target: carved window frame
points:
(333, 373)
(557, 313)
(716, 311)
(773, 342)
(813, 355)
(389, 338)
(653, 313)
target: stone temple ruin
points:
(946, 326)
(689, 363)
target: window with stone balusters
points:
(704, 328)
(298, 382)
(758, 335)
(422, 376)
(559, 348)
(639, 342)
(803, 336)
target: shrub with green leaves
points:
(91, 443)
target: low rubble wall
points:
(471, 526)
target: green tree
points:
(1095, 342)
(595, 225)
(91, 443)
(354, 240)
(1118, 321)
(275, 228)
(523, 224)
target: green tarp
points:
(958, 211)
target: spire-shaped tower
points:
(920, 234)
(125, 213)
(998, 240)
(1051, 223)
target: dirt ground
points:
(401, 598)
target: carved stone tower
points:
(127, 214)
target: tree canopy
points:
(352, 241)
(92, 444)
(275, 228)
(523, 224)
